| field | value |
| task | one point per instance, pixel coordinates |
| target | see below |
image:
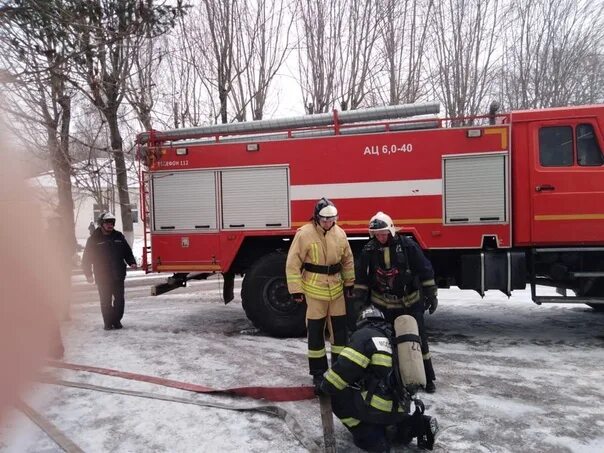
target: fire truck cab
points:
(496, 202)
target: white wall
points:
(83, 213)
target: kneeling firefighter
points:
(372, 385)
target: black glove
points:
(431, 302)
(317, 381)
(349, 292)
(298, 298)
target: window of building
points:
(589, 153)
(556, 146)
(134, 209)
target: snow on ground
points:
(511, 376)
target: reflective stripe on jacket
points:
(366, 363)
(313, 245)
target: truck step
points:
(586, 274)
(568, 300)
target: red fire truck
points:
(496, 202)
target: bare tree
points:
(590, 87)
(187, 85)
(403, 32)
(262, 47)
(36, 56)
(222, 20)
(104, 34)
(320, 25)
(464, 35)
(553, 53)
(140, 88)
(356, 52)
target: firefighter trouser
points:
(366, 423)
(417, 311)
(111, 294)
(319, 315)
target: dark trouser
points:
(340, 336)
(317, 358)
(354, 306)
(367, 424)
(417, 311)
(317, 362)
(111, 294)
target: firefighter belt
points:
(387, 300)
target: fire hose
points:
(269, 393)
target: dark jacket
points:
(365, 366)
(107, 256)
(393, 274)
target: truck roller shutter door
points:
(475, 189)
(184, 200)
(255, 198)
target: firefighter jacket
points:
(366, 365)
(107, 255)
(315, 246)
(393, 275)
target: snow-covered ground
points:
(511, 377)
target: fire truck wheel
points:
(266, 300)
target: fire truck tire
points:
(266, 300)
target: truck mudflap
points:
(178, 280)
(493, 269)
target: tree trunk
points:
(223, 96)
(62, 171)
(121, 175)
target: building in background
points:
(94, 191)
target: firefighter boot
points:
(425, 441)
(370, 437)
(430, 376)
(402, 434)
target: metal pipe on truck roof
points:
(321, 119)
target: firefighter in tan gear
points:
(320, 272)
(395, 276)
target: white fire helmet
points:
(325, 209)
(381, 222)
(106, 216)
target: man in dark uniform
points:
(366, 394)
(394, 275)
(107, 253)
